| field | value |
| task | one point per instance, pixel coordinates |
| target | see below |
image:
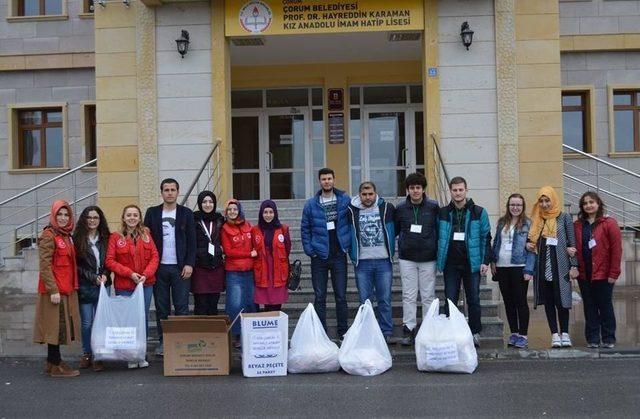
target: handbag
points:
(295, 271)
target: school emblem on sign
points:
(255, 16)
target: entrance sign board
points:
(336, 127)
(336, 99)
(288, 17)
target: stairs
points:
(290, 212)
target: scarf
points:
(544, 222)
(240, 219)
(207, 217)
(268, 228)
(53, 223)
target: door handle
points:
(269, 161)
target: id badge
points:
(331, 225)
(552, 241)
(508, 246)
(458, 237)
(416, 228)
(592, 243)
(212, 249)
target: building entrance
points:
(276, 148)
(387, 139)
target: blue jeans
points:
(320, 277)
(87, 313)
(170, 287)
(148, 292)
(471, 281)
(599, 317)
(239, 296)
(373, 278)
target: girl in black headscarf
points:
(207, 281)
(271, 267)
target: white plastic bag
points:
(311, 349)
(364, 350)
(119, 330)
(445, 344)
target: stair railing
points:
(16, 223)
(208, 177)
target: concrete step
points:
(295, 309)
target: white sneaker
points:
(143, 364)
(132, 365)
(556, 342)
(566, 340)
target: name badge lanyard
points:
(207, 231)
(459, 216)
(416, 214)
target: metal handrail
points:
(590, 173)
(599, 160)
(442, 166)
(186, 196)
(46, 182)
(628, 201)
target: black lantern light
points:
(183, 43)
(466, 34)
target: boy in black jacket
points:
(416, 222)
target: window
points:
(39, 7)
(626, 120)
(576, 119)
(40, 140)
(89, 121)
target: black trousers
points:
(599, 317)
(514, 288)
(552, 303)
(272, 307)
(53, 354)
(206, 304)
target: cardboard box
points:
(196, 345)
(265, 343)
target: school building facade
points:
(366, 87)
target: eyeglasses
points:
(93, 218)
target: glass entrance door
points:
(271, 151)
(286, 154)
(245, 151)
(386, 151)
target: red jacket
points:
(125, 257)
(62, 264)
(606, 256)
(237, 246)
(261, 272)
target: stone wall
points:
(183, 90)
(74, 34)
(599, 17)
(468, 119)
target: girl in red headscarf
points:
(57, 320)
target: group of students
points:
(547, 248)
(173, 252)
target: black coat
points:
(185, 233)
(89, 289)
(203, 258)
(417, 247)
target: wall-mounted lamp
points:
(183, 43)
(466, 34)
